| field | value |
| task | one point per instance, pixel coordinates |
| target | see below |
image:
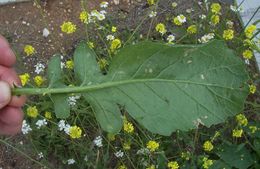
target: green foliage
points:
(163, 87)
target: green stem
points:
(83, 89)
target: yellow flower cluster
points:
(83, 16)
(70, 64)
(237, 133)
(192, 29)
(122, 167)
(241, 120)
(113, 29)
(252, 89)
(32, 111)
(215, 19)
(152, 145)
(247, 54)
(48, 115)
(128, 127)
(29, 50)
(160, 27)
(38, 80)
(208, 146)
(179, 20)
(127, 146)
(173, 165)
(115, 44)
(206, 163)
(68, 27)
(24, 78)
(215, 8)
(253, 129)
(75, 132)
(90, 45)
(151, 2)
(249, 31)
(228, 34)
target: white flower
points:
(110, 37)
(45, 32)
(170, 38)
(86, 158)
(181, 18)
(39, 67)
(119, 154)
(67, 129)
(152, 14)
(202, 16)
(104, 4)
(61, 125)
(40, 155)
(71, 161)
(73, 100)
(26, 128)
(98, 141)
(41, 123)
(103, 12)
(247, 62)
(101, 17)
(206, 38)
(174, 5)
(143, 151)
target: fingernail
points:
(5, 94)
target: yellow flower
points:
(206, 163)
(160, 27)
(128, 127)
(90, 45)
(247, 54)
(70, 64)
(38, 80)
(83, 17)
(68, 27)
(228, 34)
(241, 120)
(102, 63)
(32, 111)
(150, 2)
(48, 115)
(151, 167)
(173, 165)
(24, 78)
(113, 29)
(208, 146)
(249, 31)
(127, 146)
(75, 132)
(29, 50)
(215, 19)
(116, 43)
(253, 129)
(122, 167)
(215, 8)
(179, 20)
(252, 89)
(237, 133)
(192, 29)
(152, 145)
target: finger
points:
(9, 130)
(5, 94)
(10, 76)
(7, 57)
(11, 116)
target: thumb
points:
(5, 94)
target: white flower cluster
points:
(110, 37)
(143, 151)
(119, 154)
(39, 67)
(152, 14)
(73, 100)
(26, 128)
(71, 161)
(97, 15)
(98, 141)
(170, 38)
(206, 38)
(181, 18)
(104, 4)
(64, 127)
(41, 123)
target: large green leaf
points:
(165, 87)
(60, 101)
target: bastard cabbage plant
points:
(163, 87)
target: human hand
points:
(11, 115)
